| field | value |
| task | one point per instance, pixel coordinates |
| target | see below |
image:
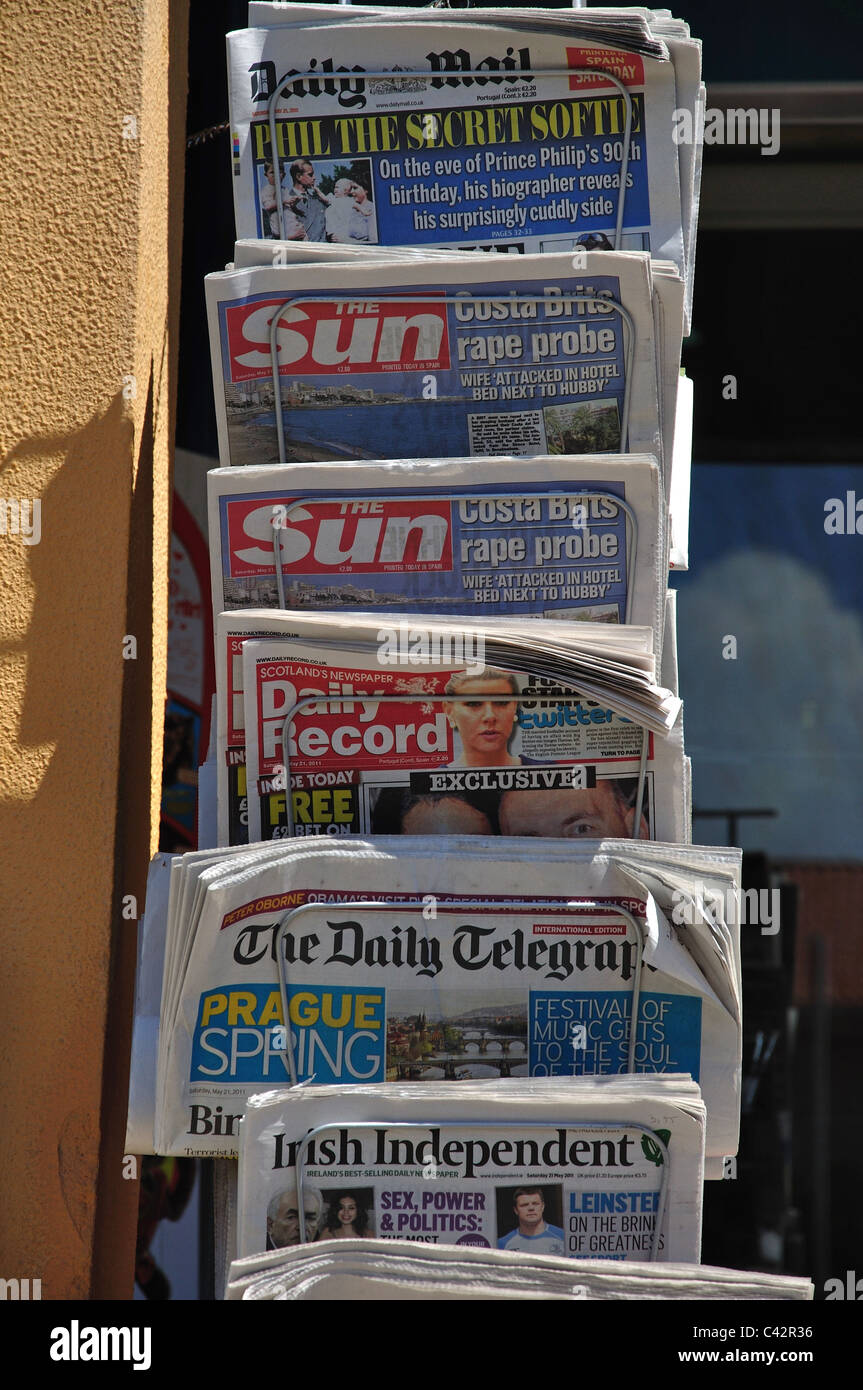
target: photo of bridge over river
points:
(487, 1041)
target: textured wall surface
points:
(90, 191)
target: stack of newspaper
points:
(399, 1270)
(416, 709)
(515, 130)
(609, 1168)
(445, 958)
(570, 538)
(552, 537)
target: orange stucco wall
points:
(92, 105)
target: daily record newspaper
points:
(575, 737)
(483, 750)
(672, 818)
(607, 1170)
(231, 780)
(566, 356)
(406, 962)
(579, 538)
(526, 154)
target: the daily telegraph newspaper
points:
(365, 1269)
(473, 735)
(564, 355)
(444, 974)
(506, 131)
(606, 1169)
(577, 538)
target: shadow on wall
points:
(74, 821)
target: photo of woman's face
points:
(347, 1211)
(484, 726)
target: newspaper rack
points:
(630, 339)
(427, 74)
(303, 1145)
(559, 905)
(625, 507)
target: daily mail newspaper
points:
(376, 359)
(529, 156)
(406, 961)
(476, 743)
(609, 27)
(578, 538)
(608, 1169)
(249, 251)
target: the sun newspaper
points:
(577, 538)
(376, 358)
(571, 356)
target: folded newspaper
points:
(373, 358)
(250, 251)
(496, 129)
(553, 537)
(407, 959)
(519, 748)
(562, 717)
(366, 1270)
(602, 1168)
(679, 442)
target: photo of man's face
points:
(283, 1225)
(445, 815)
(594, 813)
(529, 1209)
